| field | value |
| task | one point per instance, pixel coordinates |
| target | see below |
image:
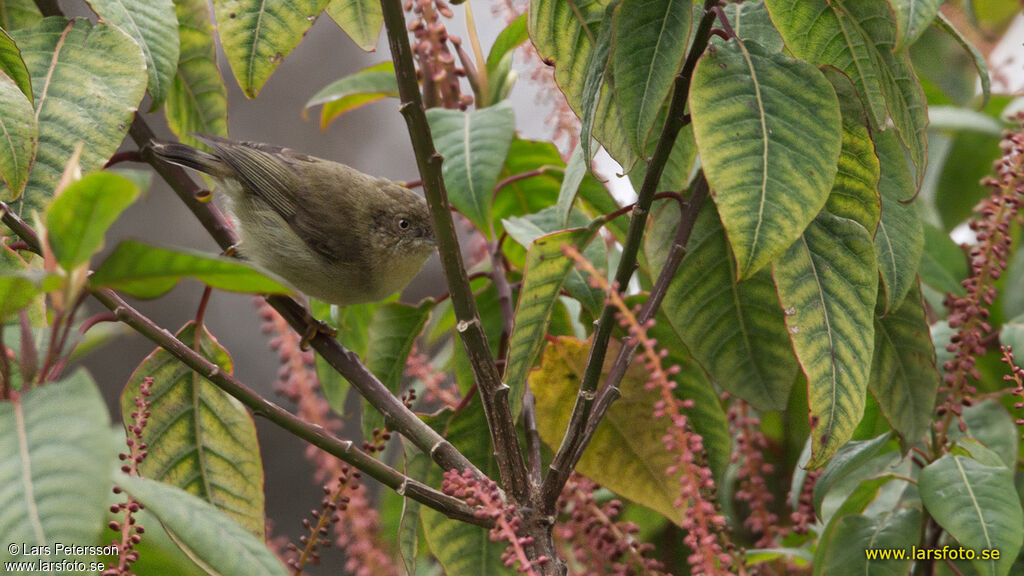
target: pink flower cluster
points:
(703, 523)
(1015, 376)
(438, 72)
(131, 533)
(751, 445)
(484, 493)
(600, 544)
(437, 384)
(969, 314)
(356, 525)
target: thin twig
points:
(610, 389)
(345, 450)
(493, 392)
(559, 469)
(398, 417)
(528, 174)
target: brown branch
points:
(610, 389)
(493, 392)
(575, 435)
(397, 416)
(345, 450)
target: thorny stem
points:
(560, 467)
(493, 392)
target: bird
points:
(328, 230)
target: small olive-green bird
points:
(332, 232)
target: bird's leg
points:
(314, 327)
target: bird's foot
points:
(314, 327)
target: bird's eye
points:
(403, 223)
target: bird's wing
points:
(267, 172)
(259, 171)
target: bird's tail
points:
(189, 157)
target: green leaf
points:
(913, 17)
(154, 25)
(768, 132)
(858, 38)
(899, 240)
(147, 271)
(463, 548)
(650, 39)
(848, 460)
(18, 123)
(679, 168)
(56, 447)
(546, 270)
(364, 87)
(750, 21)
(854, 536)
(734, 329)
(257, 35)
(565, 33)
(959, 188)
(360, 19)
(594, 81)
(13, 66)
(527, 229)
(474, 145)
(15, 14)
(508, 40)
(626, 454)
(707, 417)
(198, 100)
(391, 333)
(200, 439)
(977, 505)
(957, 119)
(943, 263)
(979, 59)
(209, 537)
(78, 219)
(15, 293)
(855, 192)
(991, 424)
(417, 465)
(828, 283)
(1012, 333)
(575, 170)
(71, 63)
(904, 378)
(353, 324)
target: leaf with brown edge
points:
(200, 439)
(626, 454)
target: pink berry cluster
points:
(601, 545)
(357, 529)
(703, 523)
(438, 72)
(131, 532)
(969, 314)
(751, 446)
(439, 388)
(1016, 376)
(484, 493)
